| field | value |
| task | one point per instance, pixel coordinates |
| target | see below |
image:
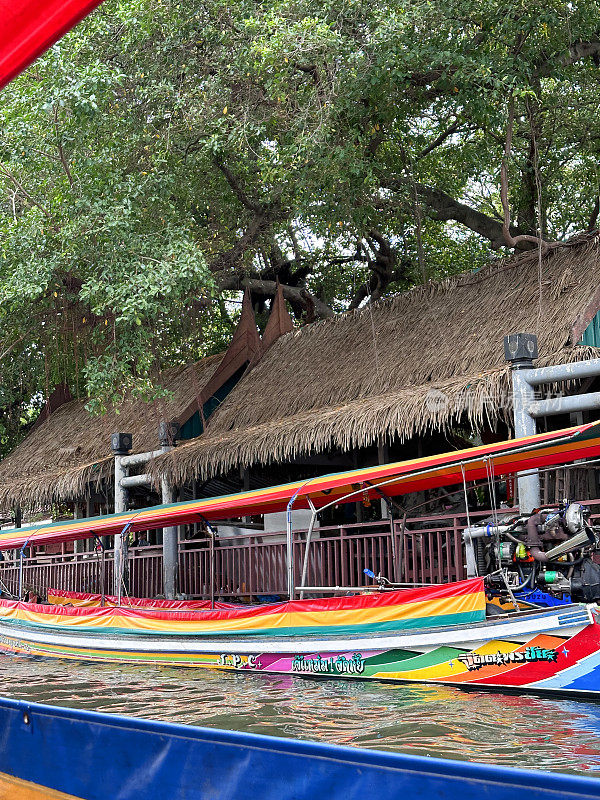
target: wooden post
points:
(245, 477)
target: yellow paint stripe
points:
(12, 788)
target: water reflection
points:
(512, 730)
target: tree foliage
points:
(166, 153)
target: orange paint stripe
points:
(12, 788)
(542, 640)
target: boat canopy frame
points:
(322, 492)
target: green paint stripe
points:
(389, 657)
(418, 661)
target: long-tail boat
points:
(435, 634)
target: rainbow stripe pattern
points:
(452, 604)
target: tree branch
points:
(521, 239)
(258, 225)
(443, 207)
(61, 152)
(236, 187)
(295, 294)
(594, 215)
(440, 139)
(576, 52)
(24, 191)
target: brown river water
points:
(518, 731)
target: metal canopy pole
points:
(520, 349)
(290, 538)
(211, 550)
(21, 573)
(309, 534)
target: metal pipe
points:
(21, 575)
(213, 536)
(289, 539)
(289, 543)
(523, 396)
(307, 546)
(335, 588)
(136, 459)
(564, 372)
(136, 480)
(484, 531)
(211, 533)
(103, 579)
(390, 588)
(520, 349)
(564, 405)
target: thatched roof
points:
(71, 448)
(67, 452)
(412, 364)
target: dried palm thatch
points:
(70, 452)
(418, 362)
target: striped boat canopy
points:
(403, 477)
(29, 27)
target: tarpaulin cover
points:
(62, 597)
(429, 607)
(28, 27)
(475, 463)
(94, 756)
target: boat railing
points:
(415, 549)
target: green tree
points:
(164, 154)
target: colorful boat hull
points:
(433, 635)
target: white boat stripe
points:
(465, 637)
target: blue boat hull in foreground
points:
(82, 754)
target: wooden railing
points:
(425, 549)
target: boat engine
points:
(547, 553)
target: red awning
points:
(29, 27)
(403, 477)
